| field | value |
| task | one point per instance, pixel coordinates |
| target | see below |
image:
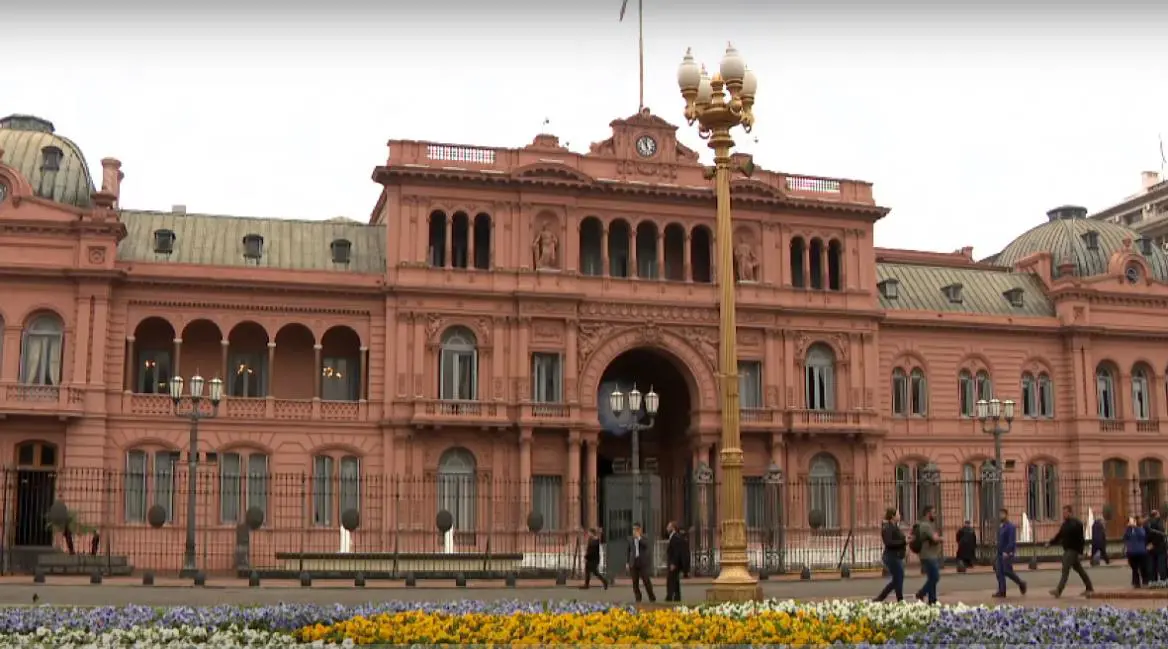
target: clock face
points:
(646, 147)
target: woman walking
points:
(1135, 545)
(894, 545)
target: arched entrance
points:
(661, 491)
(36, 484)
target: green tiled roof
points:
(983, 291)
(1062, 237)
(218, 241)
(23, 138)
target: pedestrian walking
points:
(1071, 538)
(638, 564)
(1007, 548)
(926, 542)
(1158, 552)
(893, 558)
(592, 560)
(966, 545)
(1099, 541)
(1135, 546)
(675, 552)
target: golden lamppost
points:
(718, 105)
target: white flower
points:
(150, 638)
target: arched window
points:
(1141, 395)
(816, 267)
(918, 393)
(968, 492)
(1042, 491)
(1105, 391)
(899, 392)
(798, 252)
(459, 240)
(591, 247)
(823, 488)
(456, 487)
(820, 379)
(985, 387)
(1045, 396)
(437, 244)
(458, 371)
(619, 235)
(835, 256)
(40, 356)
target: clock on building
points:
(646, 147)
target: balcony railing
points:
(1111, 425)
(60, 400)
(830, 421)
(255, 408)
(1148, 426)
(450, 411)
(545, 411)
(756, 417)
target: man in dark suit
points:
(638, 564)
(592, 560)
(1073, 542)
(675, 556)
(1157, 547)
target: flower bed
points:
(908, 626)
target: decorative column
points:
(224, 348)
(470, 247)
(806, 263)
(604, 268)
(177, 363)
(632, 259)
(317, 369)
(590, 479)
(823, 274)
(524, 476)
(271, 373)
(659, 271)
(573, 521)
(571, 362)
(448, 259)
(129, 382)
(363, 388)
(686, 254)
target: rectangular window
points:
(322, 491)
(968, 395)
(458, 381)
(350, 484)
(750, 384)
(545, 378)
(899, 393)
(340, 379)
(1045, 396)
(257, 482)
(153, 372)
(135, 487)
(230, 488)
(1029, 398)
(919, 395)
(756, 503)
(547, 493)
(247, 375)
(1105, 397)
(165, 463)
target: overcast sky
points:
(971, 119)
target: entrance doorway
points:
(36, 484)
(660, 492)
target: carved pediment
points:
(643, 120)
(546, 142)
(552, 171)
(603, 148)
(686, 154)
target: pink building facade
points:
(456, 351)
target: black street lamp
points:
(996, 417)
(194, 415)
(627, 410)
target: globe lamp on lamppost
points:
(996, 417)
(717, 105)
(193, 413)
(626, 408)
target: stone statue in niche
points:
(746, 262)
(544, 248)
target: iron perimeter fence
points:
(450, 524)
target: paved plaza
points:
(972, 588)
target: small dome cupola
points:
(27, 123)
(1067, 213)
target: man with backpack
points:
(926, 544)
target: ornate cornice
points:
(199, 306)
(444, 176)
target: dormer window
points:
(341, 250)
(51, 158)
(1144, 245)
(953, 293)
(1015, 296)
(889, 288)
(1091, 239)
(253, 246)
(164, 242)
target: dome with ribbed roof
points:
(1069, 236)
(53, 165)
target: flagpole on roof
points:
(640, 48)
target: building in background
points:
(1145, 212)
(456, 352)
